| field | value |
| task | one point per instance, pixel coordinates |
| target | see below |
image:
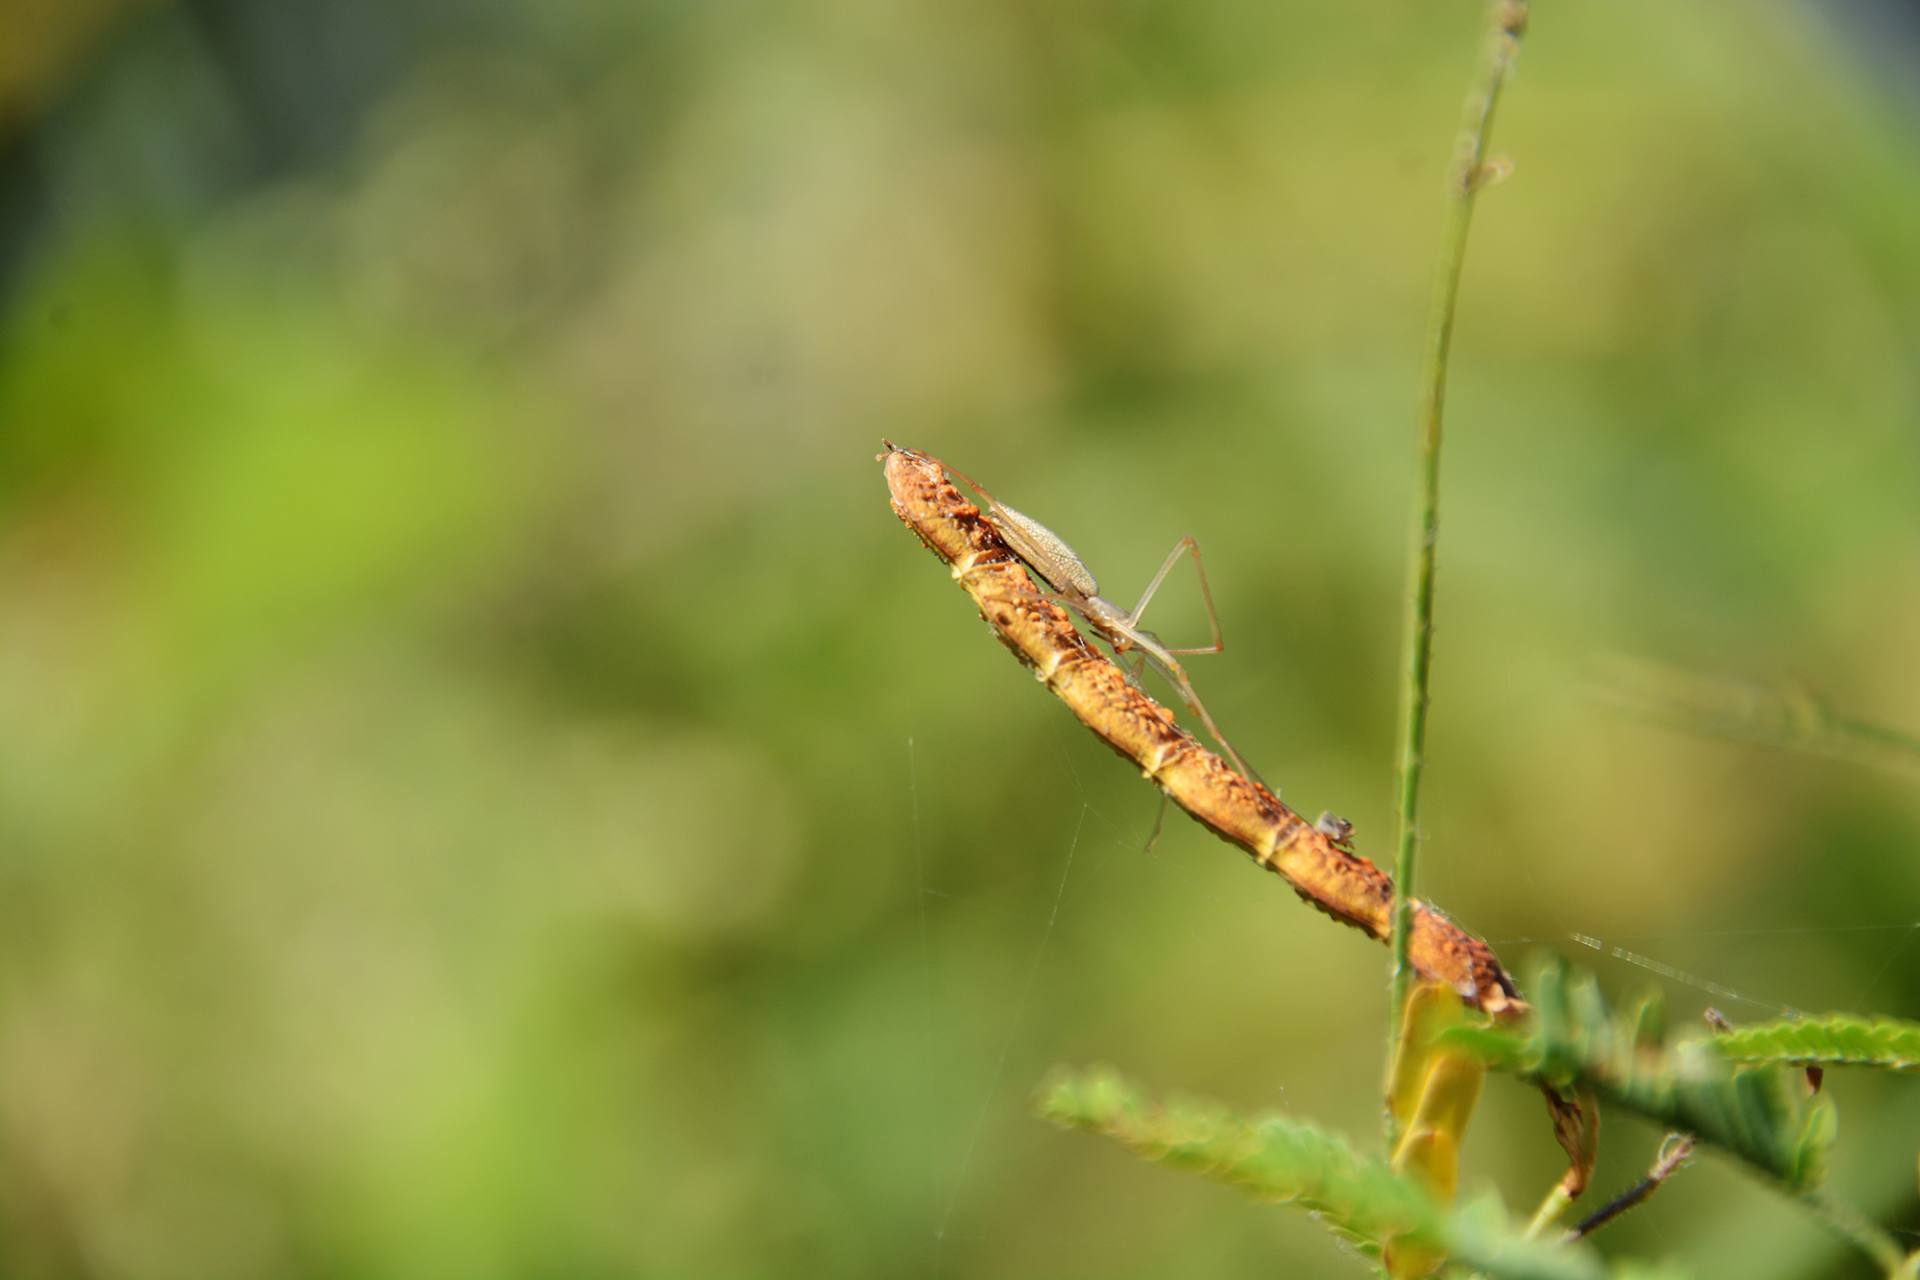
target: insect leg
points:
(1192, 548)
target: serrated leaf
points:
(1836, 1040)
(1282, 1159)
(1274, 1157)
(1759, 1113)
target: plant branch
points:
(1674, 1150)
(1850, 1225)
(1466, 174)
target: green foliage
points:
(1759, 1113)
(1837, 1040)
(1291, 1161)
(1274, 1158)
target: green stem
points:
(1850, 1225)
(1549, 1212)
(1465, 175)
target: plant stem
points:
(1465, 176)
(1674, 1150)
(1549, 1212)
(1849, 1224)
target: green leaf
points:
(1759, 1113)
(1274, 1157)
(1503, 1048)
(1281, 1159)
(1837, 1040)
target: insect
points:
(1073, 584)
(1334, 827)
(1233, 806)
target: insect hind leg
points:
(1186, 546)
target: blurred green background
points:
(488, 789)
